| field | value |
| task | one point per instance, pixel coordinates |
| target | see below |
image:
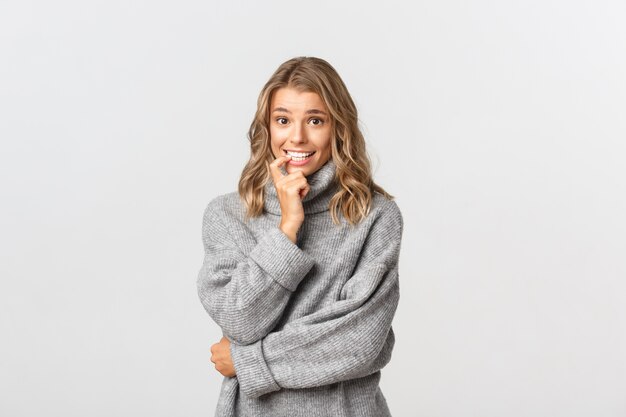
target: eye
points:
(278, 120)
(319, 121)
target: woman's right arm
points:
(246, 293)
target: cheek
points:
(321, 140)
(276, 137)
(327, 144)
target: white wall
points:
(498, 125)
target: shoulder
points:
(223, 209)
(382, 230)
(223, 206)
(386, 212)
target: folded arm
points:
(245, 294)
(348, 339)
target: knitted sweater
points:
(309, 322)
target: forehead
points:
(295, 100)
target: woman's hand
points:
(221, 357)
(290, 189)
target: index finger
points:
(275, 167)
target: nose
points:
(299, 133)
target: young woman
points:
(301, 264)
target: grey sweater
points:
(309, 323)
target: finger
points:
(275, 167)
(297, 186)
(305, 191)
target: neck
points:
(322, 187)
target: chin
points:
(305, 170)
(294, 169)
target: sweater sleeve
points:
(246, 293)
(348, 339)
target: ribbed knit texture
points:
(309, 322)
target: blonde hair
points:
(353, 173)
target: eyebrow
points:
(312, 111)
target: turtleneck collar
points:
(323, 187)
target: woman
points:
(301, 264)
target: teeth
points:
(299, 154)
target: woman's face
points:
(300, 122)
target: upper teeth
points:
(299, 154)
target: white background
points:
(499, 126)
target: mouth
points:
(299, 156)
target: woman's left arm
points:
(348, 339)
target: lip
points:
(294, 150)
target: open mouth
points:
(299, 156)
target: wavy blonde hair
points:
(353, 174)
